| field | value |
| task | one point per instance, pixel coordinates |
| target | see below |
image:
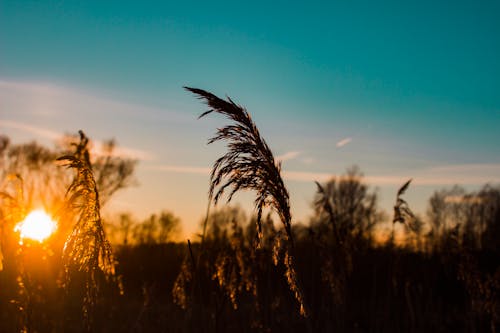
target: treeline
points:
(159, 228)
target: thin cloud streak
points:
(97, 145)
(183, 169)
(308, 160)
(288, 156)
(38, 131)
(423, 177)
(477, 167)
(125, 152)
(50, 100)
(343, 142)
(466, 174)
(304, 176)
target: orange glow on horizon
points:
(37, 226)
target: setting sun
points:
(36, 226)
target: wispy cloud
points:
(38, 131)
(305, 176)
(40, 99)
(49, 100)
(467, 168)
(126, 152)
(97, 145)
(180, 169)
(462, 174)
(465, 174)
(288, 156)
(308, 160)
(422, 177)
(343, 142)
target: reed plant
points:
(13, 210)
(249, 164)
(402, 211)
(87, 252)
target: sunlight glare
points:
(36, 226)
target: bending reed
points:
(249, 164)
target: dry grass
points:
(249, 164)
(87, 249)
(402, 212)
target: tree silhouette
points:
(346, 204)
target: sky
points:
(402, 89)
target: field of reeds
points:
(259, 273)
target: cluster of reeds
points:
(233, 271)
(483, 288)
(334, 245)
(14, 210)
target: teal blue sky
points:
(403, 89)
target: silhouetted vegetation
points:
(437, 273)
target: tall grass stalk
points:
(249, 164)
(87, 251)
(403, 213)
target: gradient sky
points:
(402, 89)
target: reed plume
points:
(87, 250)
(402, 211)
(249, 164)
